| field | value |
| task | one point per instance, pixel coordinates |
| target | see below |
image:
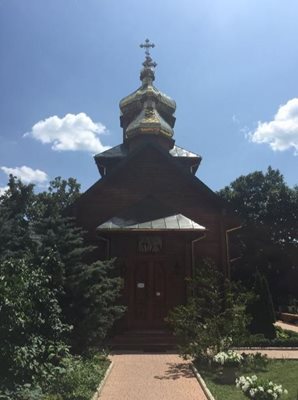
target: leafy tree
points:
(47, 285)
(268, 209)
(214, 316)
(14, 221)
(32, 332)
(265, 200)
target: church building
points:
(150, 211)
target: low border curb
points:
(264, 348)
(202, 383)
(102, 383)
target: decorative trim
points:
(102, 383)
(202, 383)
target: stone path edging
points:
(264, 348)
(202, 383)
(103, 381)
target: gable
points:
(148, 171)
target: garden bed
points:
(81, 379)
(284, 339)
(284, 372)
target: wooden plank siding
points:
(150, 173)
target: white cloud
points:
(26, 174)
(72, 132)
(3, 190)
(282, 132)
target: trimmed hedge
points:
(261, 341)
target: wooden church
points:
(150, 210)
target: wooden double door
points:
(147, 293)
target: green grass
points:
(279, 371)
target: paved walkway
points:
(151, 377)
(288, 327)
(279, 354)
(164, 376)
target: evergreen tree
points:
(88, 291)
(261, 308)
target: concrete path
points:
(276, 353)
(151, 377)
(288, 327)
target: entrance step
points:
(144, 340)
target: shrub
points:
(254, 388)
(214, 316)
(77, 378)
(255, 362)
(229, 358)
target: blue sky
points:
(230, 65)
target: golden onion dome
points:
(147, 110)
(149, 121)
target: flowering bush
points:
(259, 390)
(229, 358)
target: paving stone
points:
(288, 327)
(151, 377)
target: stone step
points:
(143, 340)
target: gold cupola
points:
(147, 112)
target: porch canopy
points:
(150, 215)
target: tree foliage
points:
(51, 295)
(268, 209)
(261, 309)
(214, 316)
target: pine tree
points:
(87, 291)
(261, 308)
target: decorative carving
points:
(150, 244)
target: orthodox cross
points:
(147, 46)
(148, 62)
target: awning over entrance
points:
(150, 214)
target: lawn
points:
(279, 371)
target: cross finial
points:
(147, 46)
(148, 63)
